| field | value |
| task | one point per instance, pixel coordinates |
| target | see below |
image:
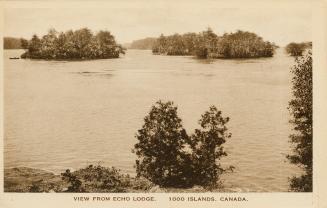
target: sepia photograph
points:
(158, 97)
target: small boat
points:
(14, 58)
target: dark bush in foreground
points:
(301, 110)
(207, 44)
(78, 44)
(168, 157)
(101, 179)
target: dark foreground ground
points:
(25, 179)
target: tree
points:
(161, 147)
(207, 147)
(301, 110)
(160, 46)
(207, 44)
(168, 157)
(295, 49)
(107, 45)
(34, 47)
(24, 43)
(48, 48)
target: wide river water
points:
(68, 114)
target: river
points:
(68, 114)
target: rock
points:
(156, 189)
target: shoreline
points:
(33, 180)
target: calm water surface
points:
(67, 114)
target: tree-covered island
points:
(78, 44)
(207, 44)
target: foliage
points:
(297, 49)
(143, 44)
(75, 183)
(168, 157)
(207, 147)
(79, 44)
(24, 43)
(207, 44)
(245, 45)
(301, 109)
(97, 179)
(161, 147)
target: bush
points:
(168, 157)
(97, 179)
(301, 110)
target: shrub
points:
(301, 110)
(97, 179)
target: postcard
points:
(163, 103)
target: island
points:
(207, 44)
(79, 44)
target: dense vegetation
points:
(297, 49)
(12, 43)
(78, 44)
(207, 44)
(97, 179)
(168, 157)
(301, 109)
(143, 44)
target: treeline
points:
(12, 43)
(78, 44)
(207, 44)
(143, 44)
(297, 49)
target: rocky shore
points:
(24, 179)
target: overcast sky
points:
(130, 21)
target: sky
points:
(130, 21)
